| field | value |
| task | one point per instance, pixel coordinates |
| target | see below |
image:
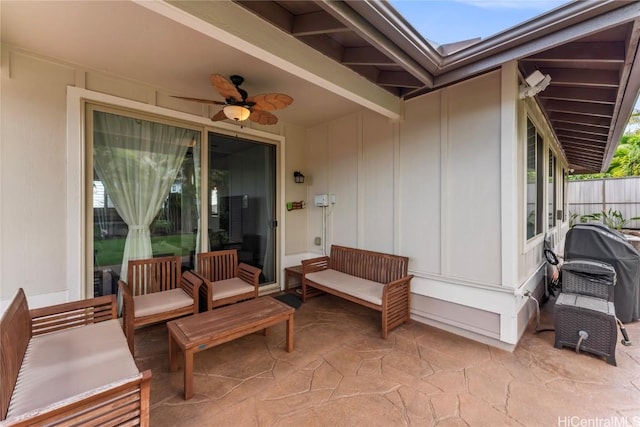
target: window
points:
(551, 192)
(535, 180)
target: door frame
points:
(79, 276)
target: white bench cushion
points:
(63, 364)
(364, 289)
(230, 287)
(161, 302)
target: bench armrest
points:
(128, 316)
(190, 283)
(71, 314)
(315, 264)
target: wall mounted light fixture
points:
(298, 177)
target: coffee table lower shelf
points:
(199, 332)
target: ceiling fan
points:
(239, 106)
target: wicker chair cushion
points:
(60, 365)
(364, 289)
(231, 287)
(161, 302)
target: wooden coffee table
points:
(205, 330)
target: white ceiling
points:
(124, 39)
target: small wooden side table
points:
(289, 272)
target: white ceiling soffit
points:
(227, 22)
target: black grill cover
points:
(598, 242)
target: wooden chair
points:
(156, 291)
(226, 281)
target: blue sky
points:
(473, 18)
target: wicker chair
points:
(226, 281)
(156, 291)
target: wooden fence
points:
(598, 195)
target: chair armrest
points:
(315, 264)
(250, 274)
(71, 314)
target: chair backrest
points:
(146, 276)
(218, 265)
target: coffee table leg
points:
(173, 354)
(188, 374)
(290, 334)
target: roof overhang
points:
(590, 49)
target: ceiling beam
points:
(581, 136)
(583, 77)
(398, 78)
(603, 96)
(319, 22)
(586, 129)
(601, 110)
(607, 52)
(365, 56)
(581, 119)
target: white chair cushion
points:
(161, 302)
(364, 289)
(230, 287)
(63, 364)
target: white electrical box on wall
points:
(321, 200)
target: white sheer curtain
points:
(137, 161)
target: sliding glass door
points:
(152, 193)
(241, 205)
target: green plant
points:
(611, 218)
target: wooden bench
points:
(69, 364)
(373, 279)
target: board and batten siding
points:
(427, 187)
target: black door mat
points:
(290, 299)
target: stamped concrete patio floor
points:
(341, 373)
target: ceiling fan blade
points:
(204, 101)
(263, 117)
(219, 116)
(225, 87)
(270, 101)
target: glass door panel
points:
(174, 226)
(241, 205)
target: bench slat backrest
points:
(15, 332)
(376, 266)
(145, 276)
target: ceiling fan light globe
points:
(236, 112)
